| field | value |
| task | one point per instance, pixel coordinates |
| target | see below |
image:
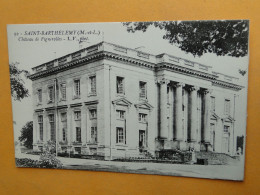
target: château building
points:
(114, 101)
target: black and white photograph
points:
(158, 97)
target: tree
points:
(18, 90)
(224, 38)
(27, 135)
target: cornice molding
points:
(186, 71)
(136, 62)
(227, 85)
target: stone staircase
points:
(214, 158)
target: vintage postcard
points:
(165, 97)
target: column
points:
(206, 116)
(69, 125)
(83, 124)
(193, 113)
(163, 109)
(45, 126)
(35, 128)
(171, 113)
(178, 112)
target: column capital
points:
(194, 88)
(206, 91)
(162, 81)
(180, 84)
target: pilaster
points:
(83, 124)
(35, 129)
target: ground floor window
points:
(225, 143)
(64, 134)
(78, 134)
(94, 134)
(52, 127)
(142, 138)
(78, 150)
(120, 135)
(212, 135)
(40, 122)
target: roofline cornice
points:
(136, 62)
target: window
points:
(64, 126)
(51, 93)
(78, 134)
(120, 114)
(94, 134)
(120, 85)
(64, 134)
(120, 136)
(226, 128)
(92, 84)
(40, 122)
(168, 94)
(64, 116)
(52, 127)
(212, 135)
(63, 91)
(142, 89)
(212, 102)
(39, 92)
(78, 150)
(93, 114)
(227, 107)
(77, 88)
(142, 117)
(77, 115)
(142, 138)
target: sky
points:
(24, 48)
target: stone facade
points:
(113, 101)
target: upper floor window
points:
(120, 114)
(63, 91)
(120, 85)
(92, 84)
(64, 116)
(142, 89)
(93, 114)
(77, 115)
(226, 128)
(227, 107)
(212, 102)
(40, 122)
(77, 88)
(51, 93)
(39, 93)
(142, 117)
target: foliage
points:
(48, 160)
(26, 162)
(18, 89)
(242, 72)
(27, 135)
(224, 38)
(50, 147)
